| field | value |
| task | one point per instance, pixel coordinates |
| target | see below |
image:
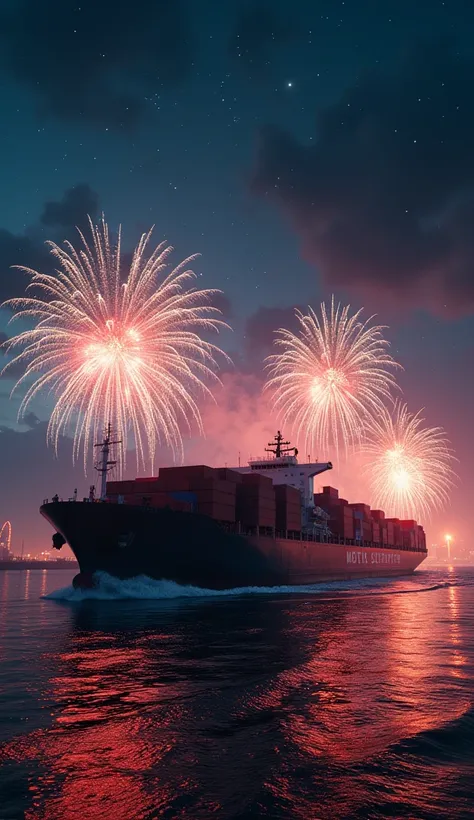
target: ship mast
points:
(105, 464)
(280, 447)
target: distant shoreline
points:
(23, 565)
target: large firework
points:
(125, 349)
(410, 465)
(330, 375)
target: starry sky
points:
(303, 149)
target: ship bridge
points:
(281, 465)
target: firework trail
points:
(410, 465)
(111, 348)
(330, 376)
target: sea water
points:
(144, 699)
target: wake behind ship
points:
(218, 528)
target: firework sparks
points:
(410, 465)
(125, 350)
(329, 376)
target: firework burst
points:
(327, 378)
(114, 348)
(410, 469)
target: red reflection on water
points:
(97, 758)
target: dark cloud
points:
(223, 303)
(384, 196)
(73, 209)
(260, 330)
(29, 249)
(93, 62)
(258, 29)
(30, 420)
(18, 250)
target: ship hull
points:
(127, 541)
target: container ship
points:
(261, 525)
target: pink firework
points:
(330, 376)
(125, 349)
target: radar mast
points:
(105, 464)
(279, 447)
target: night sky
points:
(303, 148)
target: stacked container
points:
(379, 527)
(421, 538)
(362, 522)
(341, 520)
(287, 508)
(394, 532)
(409, 533)
(214, 496)
(256, 505)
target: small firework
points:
(120, 349)
(330, 376)
(410, 469)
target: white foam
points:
(143, 588)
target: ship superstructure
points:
(281, 465)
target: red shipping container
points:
(217, 511)
(376, 532)
(254, 514)
(254, 483)
(214, 484)
(288, 494)
(377, 515)
(194, 471)
(341, 527)
(120, 487)
(287, 508)
(363, 508)
(229, 475)
(164, 500)
(146, 485)
(331, 492)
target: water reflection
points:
(246, 707)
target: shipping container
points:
(215, 484)
(287, 508)
(120, 487)
(331, 492)
(363, 508)
(254, 507)
(254, 483)
(173, 482)
(146, 485)
(342, 527)
(395, 530)
(166, 500)
(377, 515)
(167, 474)
(229, 475)
(421, 538)
(217, 511)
